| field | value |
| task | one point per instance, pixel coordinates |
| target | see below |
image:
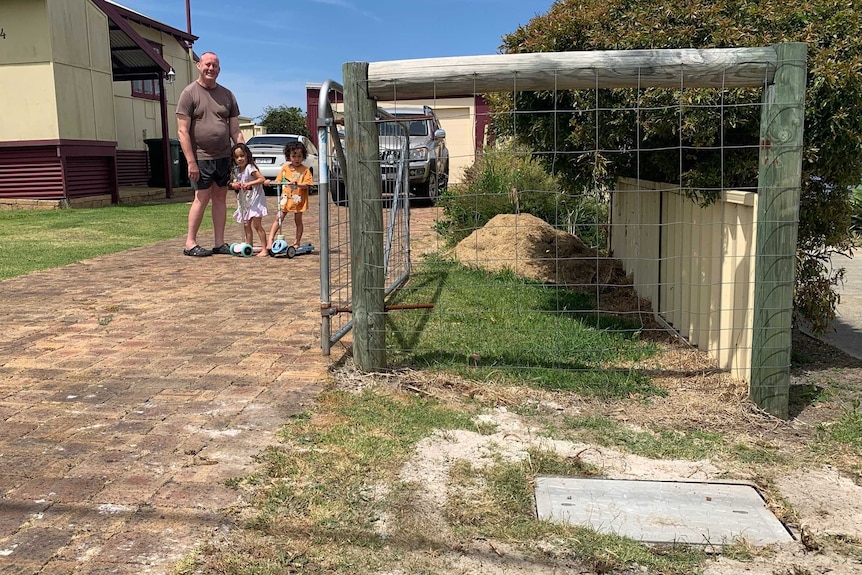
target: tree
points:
(832, 155)
(284, 120)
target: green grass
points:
(43, 239)
(321, 484)
(843, 435)
(660, 443)
(487, 326)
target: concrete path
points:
(132, 386)
(847, 335)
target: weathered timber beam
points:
(463, 75)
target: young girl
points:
(251, 200)
(294, 194)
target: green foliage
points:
(676, 129)
(856, 218)
(284, 120)
(508, 179)
(845, 433)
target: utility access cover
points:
(694, 513)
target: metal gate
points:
(335, 256)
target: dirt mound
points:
(532, 248)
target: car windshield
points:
(418, 128)
(271, 140)
(414, 128)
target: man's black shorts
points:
(213, 172)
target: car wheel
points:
(338, 192)
(430, 190)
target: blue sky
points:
(270, 49)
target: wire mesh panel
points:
(605, 228)
(336, 281)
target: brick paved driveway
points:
(131, 386)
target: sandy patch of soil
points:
(817, 495)
(819, 504)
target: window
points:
(145, 89)
(148, 89)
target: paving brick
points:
(15, 513)
(198, 495)
(61, 489)
(35, 544)
(125, 409)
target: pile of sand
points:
(532, 248)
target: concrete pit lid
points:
(711, 514)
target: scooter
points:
(279, 248)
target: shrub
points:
(508, 179)
(832, 145)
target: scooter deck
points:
(291, 252)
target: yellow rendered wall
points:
(25, 24)
(27, 97)
(27, 102)
(82, 70)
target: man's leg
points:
(196, 216)
(219, 210)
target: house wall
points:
(141, 117)
(26, 70)
(82, 70)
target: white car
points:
(268, 152)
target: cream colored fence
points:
(695, 264)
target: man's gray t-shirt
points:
(209, 111)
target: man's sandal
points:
(197, 252)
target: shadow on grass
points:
(487, 326)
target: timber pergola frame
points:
(779, 69)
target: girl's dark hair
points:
(247, 151)
(295, 145)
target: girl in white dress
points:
(251, 199)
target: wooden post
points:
(778, 184)
(366, 218)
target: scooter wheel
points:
(291, 252)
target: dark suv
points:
(428, 165)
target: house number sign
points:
(2, 33)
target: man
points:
(207, 121)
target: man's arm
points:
(235, 133)
(184, 124)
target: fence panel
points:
(704, 254)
